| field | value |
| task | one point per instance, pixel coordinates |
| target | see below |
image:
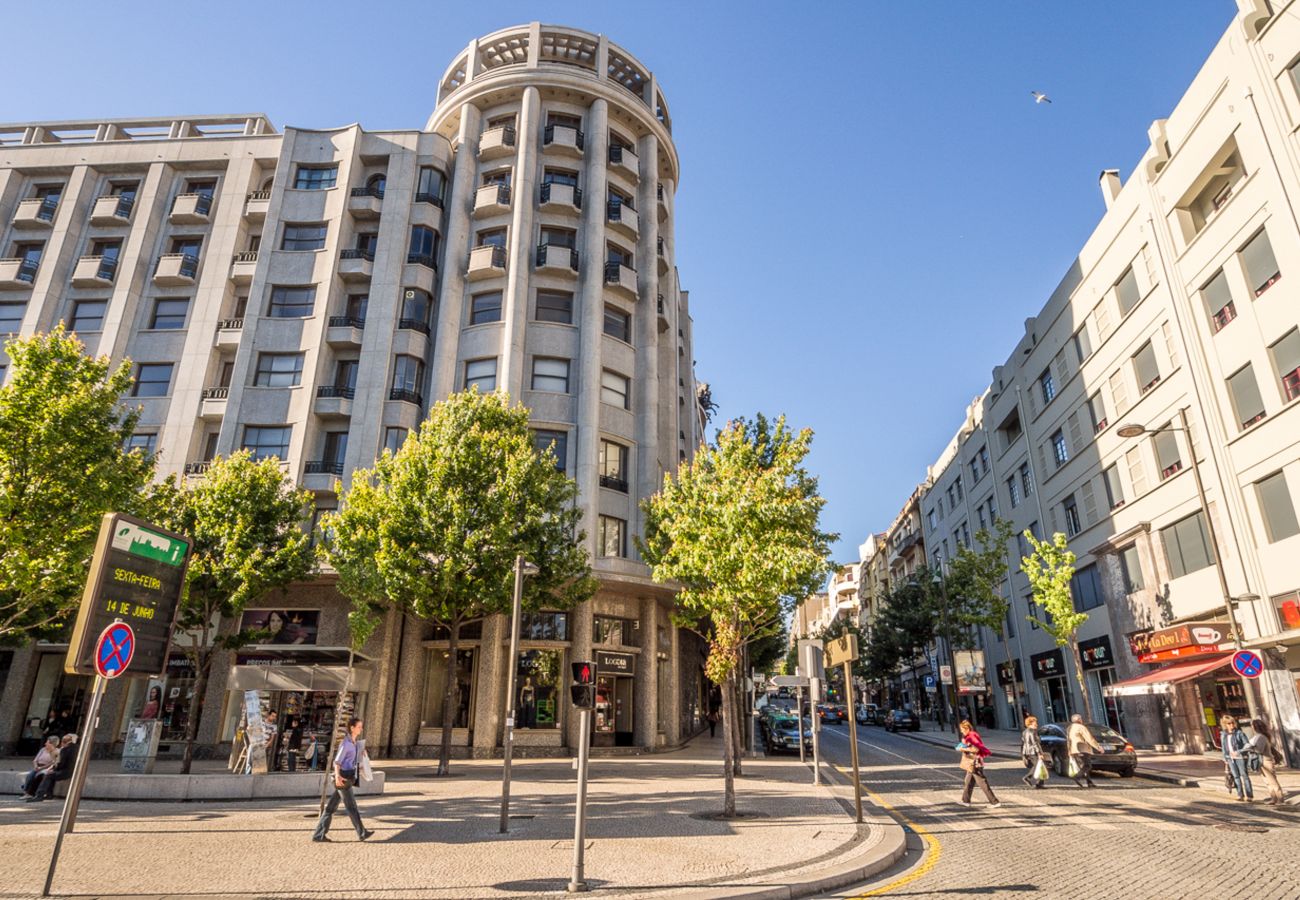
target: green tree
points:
(63, 464)
(247, 522)
(433, 531)
(978, 576)
(737, 529)
(904, 627)
(1050, 568)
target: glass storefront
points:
(435, 686)
(56, 702)
(537, 684)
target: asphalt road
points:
(1127, 839)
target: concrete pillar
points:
(519, 257)
(489, 716)
(15, 695)
(408, 696)
(451, 297)
(580, 634)
(675, 687)
(646, 696)
(648, 397)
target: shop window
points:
(544, 626)
(1130, 568)
(537, 679)
(616, 631)
(1186, 545)
(435, 683)
(469, 631)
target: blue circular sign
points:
(114, 649)
(1247, 663)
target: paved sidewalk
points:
(650, 834)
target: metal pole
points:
(853, 739)
(947, 640)
(511, 664)
(577, 884)
(798, 710)
(814, 693)
(1218, 559)
(73, 800)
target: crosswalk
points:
(1020, 809)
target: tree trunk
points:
(1078, 673)
(733, 729)
(448, 699)
(202, 668)
(1015, 682)
(728, 752)
(334, 732)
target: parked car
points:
(868, 714)
(828, 712)
(1117, 753)
(900, 719)
(783, 734)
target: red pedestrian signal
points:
(584, 672)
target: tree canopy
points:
(1050, 569)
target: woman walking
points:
(346, 762)
(1031, 751)
(1262, 743)
(1235, 746)
(973, 753)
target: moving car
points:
(1117, 753)
(868, 714)
(783, 734)
(899, 719)
(828, 712)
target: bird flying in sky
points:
(1040, 97)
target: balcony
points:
(366, 202)
(112, 210)
(213, 405)
(322, 467)
(344, 331)
(199, 468)
(614, 483)
(486, 262)
(17, 274)
(431, 199)
(621, 278)
(622, 218)
(662, 309)
(555, 258)
(422, 259)
(624, 160)
(256, 204)
(497, 142)
(406, 396)
(356, 264)
(663, 204)
(35, 213)
(94, 271)
(176, 270)
(663, 256)
(564, 139)
(557, 197)
(191, 209)
(334, 401)
(492, 199)
(243, 265)
(1224, 316)
(228, 332)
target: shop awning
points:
(1162, 680)
(297, 678)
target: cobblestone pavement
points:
(1127, 838)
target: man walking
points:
(1081, 745)
(345, 776)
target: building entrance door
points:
(623, 711)
(1056, 698)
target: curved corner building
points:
(308, 294)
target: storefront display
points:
(1098, 662)
(435, 688)
(614, 714)
(1049, 671)
(281, 626)
(537, 680)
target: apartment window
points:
(1085, 589)
(1114, 487)
(124, 189)
(1027, 479)
(481, 373)
(87, 315)
(1070, 507)
(1288, 609)
(980, 465)
(278, 370)
(152, 380)
(187, 246)
(555, 441)
(1276, 505)
(498, 177)
(291, 302)
(1127, 292)
(1010, 622)
(957, 487)
(613, 536)
(1130, 569)
(169, 314)
(345, 374)
(613, 466)
(1205, 205)
(309, 236)
(205, 187)
(1013, 491)
(984, 522)
(265, 441)
(430, 185)
(1047, 384)
(952, 500)
(555, 306)
(1010, 430)
(932, 519)
(1145, 368)
(408, 373)
(1060, 450)
(1168, 457)
(367, 243)
(560, 176)
(1260, 264)
(1286, 359)
(357, 306)
(618, 324)
(550, 375)
(492, 237)
(424, 246)
(11, 317)
(1246, 400)
(1082, 343)
(965, 534)
(394, 438)
(144, 441)
(1218, 301)
(485, 308)
(615, 389)
(616, 254)
(1186, 545)
(315, 178)
(559, 237)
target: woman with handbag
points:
(1031, 751)
(973, 754)
(346, 762)
(1235, 749)
(1262, 744)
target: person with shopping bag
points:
(1031, 751)
(346, 763)
(973, 753)
(1081, 745)
(1265, 762)
(1236, 750)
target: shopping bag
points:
(1074, 768)
(1040, 770)
(367, 773)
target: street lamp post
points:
(1131, 430)
(522, 568)
(947, 640)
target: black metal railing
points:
(230, 324)
(613, 483)
(45, 212)
(216, 393)
(197, 468)
(202, 203)
(259, 195)
(186, 268)
(1170, 469)
(502, 196)
(358, 253)
(659, 245)
(347, 322)
(508, 135)
(659, 192)
(498, 256)
(27, 270)
(579, 138)
(245, 256)
(335, 391)
(322, 467)
(409, 396)
(431, 199)
(422, 259)
(107, 268)
(544, 255)
(662, 310)
(413, 325)
(546, 193)
(369, 191)
(613, 271)
(124, 207)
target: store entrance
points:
(55, 705)
(1056, 699)
(614, 711)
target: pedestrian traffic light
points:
(584, 672)
(583, 690)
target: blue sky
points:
(871, 202)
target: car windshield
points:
(1105, 733)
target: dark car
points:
(829, 712)
(1117, 753)
(782, 733)
(868, 714)
(900, 719)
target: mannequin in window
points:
(527, 703)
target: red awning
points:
(1161, 680)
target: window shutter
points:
(1118, 394)
(1060, 369)
(1104, 327)
(1033, 400)
(1137, 475)
(1170, 346)
(1076, 434)
(1148, 268)
(1055, 523)
(1044, 454)
(1089, 503)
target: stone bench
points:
(174, 788)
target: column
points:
(647, 395)
(674, 698)
(519, 248)
(489, 715)
(579, 649)
(646, 697)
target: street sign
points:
(114, 650)
(929, 681)
(1247, 663)
(841, 650)
(136, 577)
(789, 681)
(945, 674)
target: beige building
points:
(308, 294)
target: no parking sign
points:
(114, 649)
(1247, 663)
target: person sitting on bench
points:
(61, 772)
